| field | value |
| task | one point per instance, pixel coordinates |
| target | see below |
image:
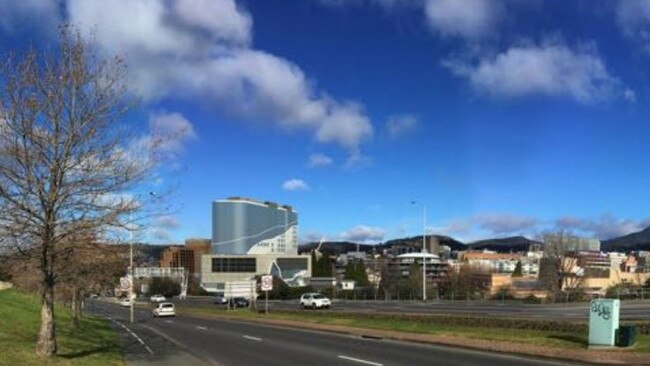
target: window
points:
(233, 265)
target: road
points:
(630, 310)
(227, 342)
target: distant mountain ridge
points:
(506, 245)
(630, 242)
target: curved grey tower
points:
(246, 226)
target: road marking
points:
(202, 328)
(359, 360)
(132, 333)
(169, 321)
(252, 338)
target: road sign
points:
(267, 283)
(125, 283)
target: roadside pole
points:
(267, 285)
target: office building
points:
(252, 238)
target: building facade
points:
(188, 256)
(246, 226)
(251, 238)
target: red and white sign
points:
(267, 283)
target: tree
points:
(164, 286)
(518, 272)
(559, 272)
(356, 271)
(64, 168)
(321, 265)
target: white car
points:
(158, 298)
(314, 301)
(164, 309)
(125, 302)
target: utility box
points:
(626, 336)
(603, 322)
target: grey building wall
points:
(237, 225)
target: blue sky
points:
(502, 117)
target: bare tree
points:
(64, 167)
(559, 272)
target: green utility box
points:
(626, 336)
(603, 322)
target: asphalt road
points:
(226, 342)
(630, 310)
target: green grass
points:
(92, 343)
(538, 337)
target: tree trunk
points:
(75, 308)
(46, 346)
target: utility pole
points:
(424, 259)
(131, 300)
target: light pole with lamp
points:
(424, 259)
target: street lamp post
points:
(424, 243)
(424, 258)
(131, 302)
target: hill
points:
(416, 242)
(635, 241)
(506, 245)
(336, 247)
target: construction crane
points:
(317, 252)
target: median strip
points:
(359, 360)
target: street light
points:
(424, 259)
(131, 269)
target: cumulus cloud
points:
(401, 125)
(17, 15)
(633, 18)
(505, 224)
(171, 131)
(471, 19)
(202, 48)
(319, 160)
(606, 226)
(295, 185)
(167, 221)
(363, 234)
(552, 70)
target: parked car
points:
(125, 302)
(158, 298)
(239, 302)
(314, 301)
(220, 300)
(164, 309)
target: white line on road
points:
(169, 321)
(202, 328)
(132, 333)
(252, 338)
(359, 360)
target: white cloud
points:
(16, 15)
(552, 70)
(471, 19)
(633, 17)
(606, 226)
(363, 234)
(172, 131)
(401, 125)
(167, 221)
(319, 160)
(201, 48)
(500, 224)
(295, 185)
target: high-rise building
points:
(252, 238)
(246, 226)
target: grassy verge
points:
(561, 339)
(92, 343)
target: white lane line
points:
(252, 338)
(202, 328)
(169, 321)
(132, 333)
(359, 360)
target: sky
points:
(376, 119)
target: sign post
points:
(603, 322)
(267, 285)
